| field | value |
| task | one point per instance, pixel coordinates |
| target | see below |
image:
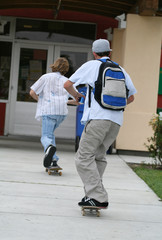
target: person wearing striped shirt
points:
(52, 100)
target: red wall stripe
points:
(159, 104)
(2, 117)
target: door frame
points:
(15, 75)
(53, 52)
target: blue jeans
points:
(49, 124)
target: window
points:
(32, 65)
(75, 59)
(55, 31)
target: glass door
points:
(30, 62)
(76, 57)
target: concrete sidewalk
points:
(36, 206)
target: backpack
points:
(110, 89)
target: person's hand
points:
(73, 102)
(78, 96)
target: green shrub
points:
(154, 145)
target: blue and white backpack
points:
(110, 89)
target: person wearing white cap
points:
(101, 46)
(101, 127)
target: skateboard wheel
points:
(49, 173)
(91, 210)
(83, 213)
(46, 170)
(60, 173)
(98, 214)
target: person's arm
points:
(68, 85)
(130, 99)
(33, 95)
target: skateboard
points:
(91, 210)
(54, 170)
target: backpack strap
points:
(104, 60)
(89, 96)
(90, 88)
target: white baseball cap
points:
(101, 45)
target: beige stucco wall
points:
(137, 48)
(118, 44)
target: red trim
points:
(2, 117)
(159, 104)
(161, 59)
(101, 21)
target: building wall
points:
(118, 45)
(141, 44)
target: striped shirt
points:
(52, 95)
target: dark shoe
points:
(84, 199)
(55, 165)
(50, 151)
(90, 202)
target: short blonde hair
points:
(60, 65)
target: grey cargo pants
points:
(90, 159)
